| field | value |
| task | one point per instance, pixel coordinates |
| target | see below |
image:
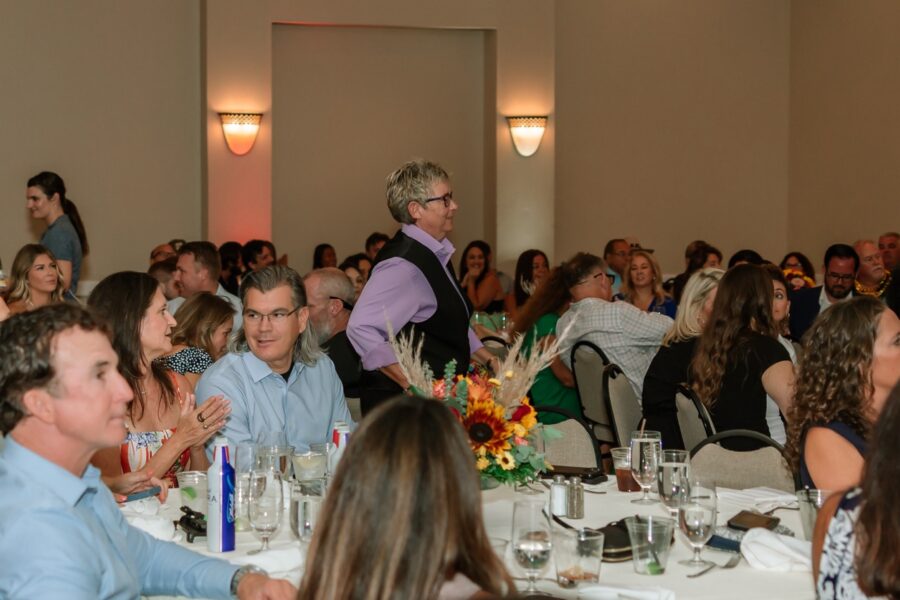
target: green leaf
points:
(551, 433)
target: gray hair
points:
(306, 350)
(687, 320)
(412, 183)
(333, 283)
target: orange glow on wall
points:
(240, 131)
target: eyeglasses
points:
(276, 317)
(346, 304)
(447, 198)
(850, 277)
(591, 278)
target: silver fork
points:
(732, 563)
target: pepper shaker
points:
(576, 499)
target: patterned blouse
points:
(188, 360)
(837, 575)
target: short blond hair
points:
(412, 183)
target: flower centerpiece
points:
(495, 411)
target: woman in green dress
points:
(554, 386)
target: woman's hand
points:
(197, 424)
(129, 483)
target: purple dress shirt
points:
(397, 292)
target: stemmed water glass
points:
(266, 504)
(531, 540)
(697, 519)
(673, 479)
(646, 447)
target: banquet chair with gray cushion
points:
(764, 467)
(577, 447)
(693, 419)
(588, 362)
(624, 406)
(496, 346)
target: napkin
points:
(624, 592)
(147, 506)
(770, 551)
(762, 499)
(277, 560)
(159, 527)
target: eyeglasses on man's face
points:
(446, 199)
(591, 278)
(276, 317)
(839, 277)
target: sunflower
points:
(482, 463)
(506, 461)
(484, 422)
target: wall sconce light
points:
(526, 133)
(240, 131)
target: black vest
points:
(446, 332)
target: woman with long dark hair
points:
(739, 361)
(847, 368)
(35, 279)
(406, 492)
(166, 433)
(532, 268)
(857, 534)
(554, 385)
(324, 256)
(478, 280)
(65, 235)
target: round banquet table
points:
(739, 583)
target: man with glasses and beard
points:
(329, 294)
(841, 266)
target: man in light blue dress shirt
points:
(276, 377)
(61, 533)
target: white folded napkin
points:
(146, 506)
(604, 591)
(762, 499)
(280, 559)
(159, 527)
(770, 551)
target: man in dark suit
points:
(841, 265)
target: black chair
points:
(693, 419)
(623, 405)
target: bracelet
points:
(240, 574)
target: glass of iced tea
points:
(622, 463)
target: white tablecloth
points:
(739, 583)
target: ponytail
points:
(51, 183)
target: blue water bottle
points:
(220, 510)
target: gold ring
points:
(200, 417)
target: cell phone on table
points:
(144, 494)
(746, 520)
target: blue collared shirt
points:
(63, 536)
(305, 406)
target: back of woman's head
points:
(689, 320)
(834, 371)
(51, 183)
(878, 525)
(21, 266)
(743, 304)
(122, 300)
(403, 512)
(525, 275)
(198, 318)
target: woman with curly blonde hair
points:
(850, 362)
(739, 361)
(642, 285)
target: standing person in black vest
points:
(413, 287)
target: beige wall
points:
(239, 77)
(672, 126)
(845, 124)
(351, 104)
(107, 94)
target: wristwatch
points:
(240, 573)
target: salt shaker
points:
(576, 499)
(559, 496)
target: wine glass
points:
(646, 447)
(697, 519)
(673, 479)
(266, 503)
(531, 540)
